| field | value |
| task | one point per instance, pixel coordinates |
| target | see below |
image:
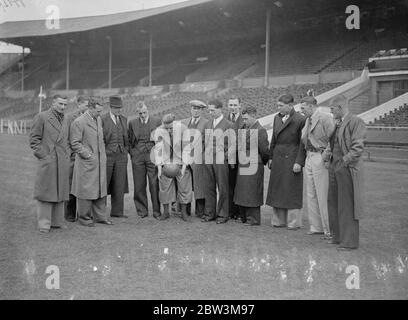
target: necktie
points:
(117, 120)
(233, 117)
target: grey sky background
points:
(19, 10)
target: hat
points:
(198, 103)
(115, 102)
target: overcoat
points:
(49, 141)
(198, 169)
(86, 139)
(249, 188)
(285, 188)
(351, 135)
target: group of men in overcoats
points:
(83, 157)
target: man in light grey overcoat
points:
(89, 177)
(49, 141)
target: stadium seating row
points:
(264, 99)
(396, 118)
(303, 55)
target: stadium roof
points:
(35, 28)
(181, 24)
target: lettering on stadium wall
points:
(13, 127)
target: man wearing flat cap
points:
(115, 136)
(198, 122)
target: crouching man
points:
(177, 186)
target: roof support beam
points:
(267, 46)
(22, 72)
(67, 67)
(110, 62)
(150, 58)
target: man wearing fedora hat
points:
(115, 136)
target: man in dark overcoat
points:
(346, 175)
(49, 142)
(253, 156)
(141, 144)
(287, 157)
(116, 137)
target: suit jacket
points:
(351, 135)
(238, 122)
(49, 141)
(321, 128)
(108, 127)
(89, 176)
(134, 132)
(225, 143)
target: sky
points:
(19, 10)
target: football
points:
(171, 170)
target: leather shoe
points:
(88, 224)
(311, 233)
(332, 241)
(164, 216)
(248, 223)
(221, 220)
(280, 226)
(122, 216)
(44, 230)
(107, 222)
(326, 237)
(207, 219)
(63, 227)
(293, 228)
(143, 215)
(345, 248)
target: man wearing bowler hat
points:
(115, 136)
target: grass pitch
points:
(149, 259)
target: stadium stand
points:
(396, 118)
(264, 99)
(358, 57)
